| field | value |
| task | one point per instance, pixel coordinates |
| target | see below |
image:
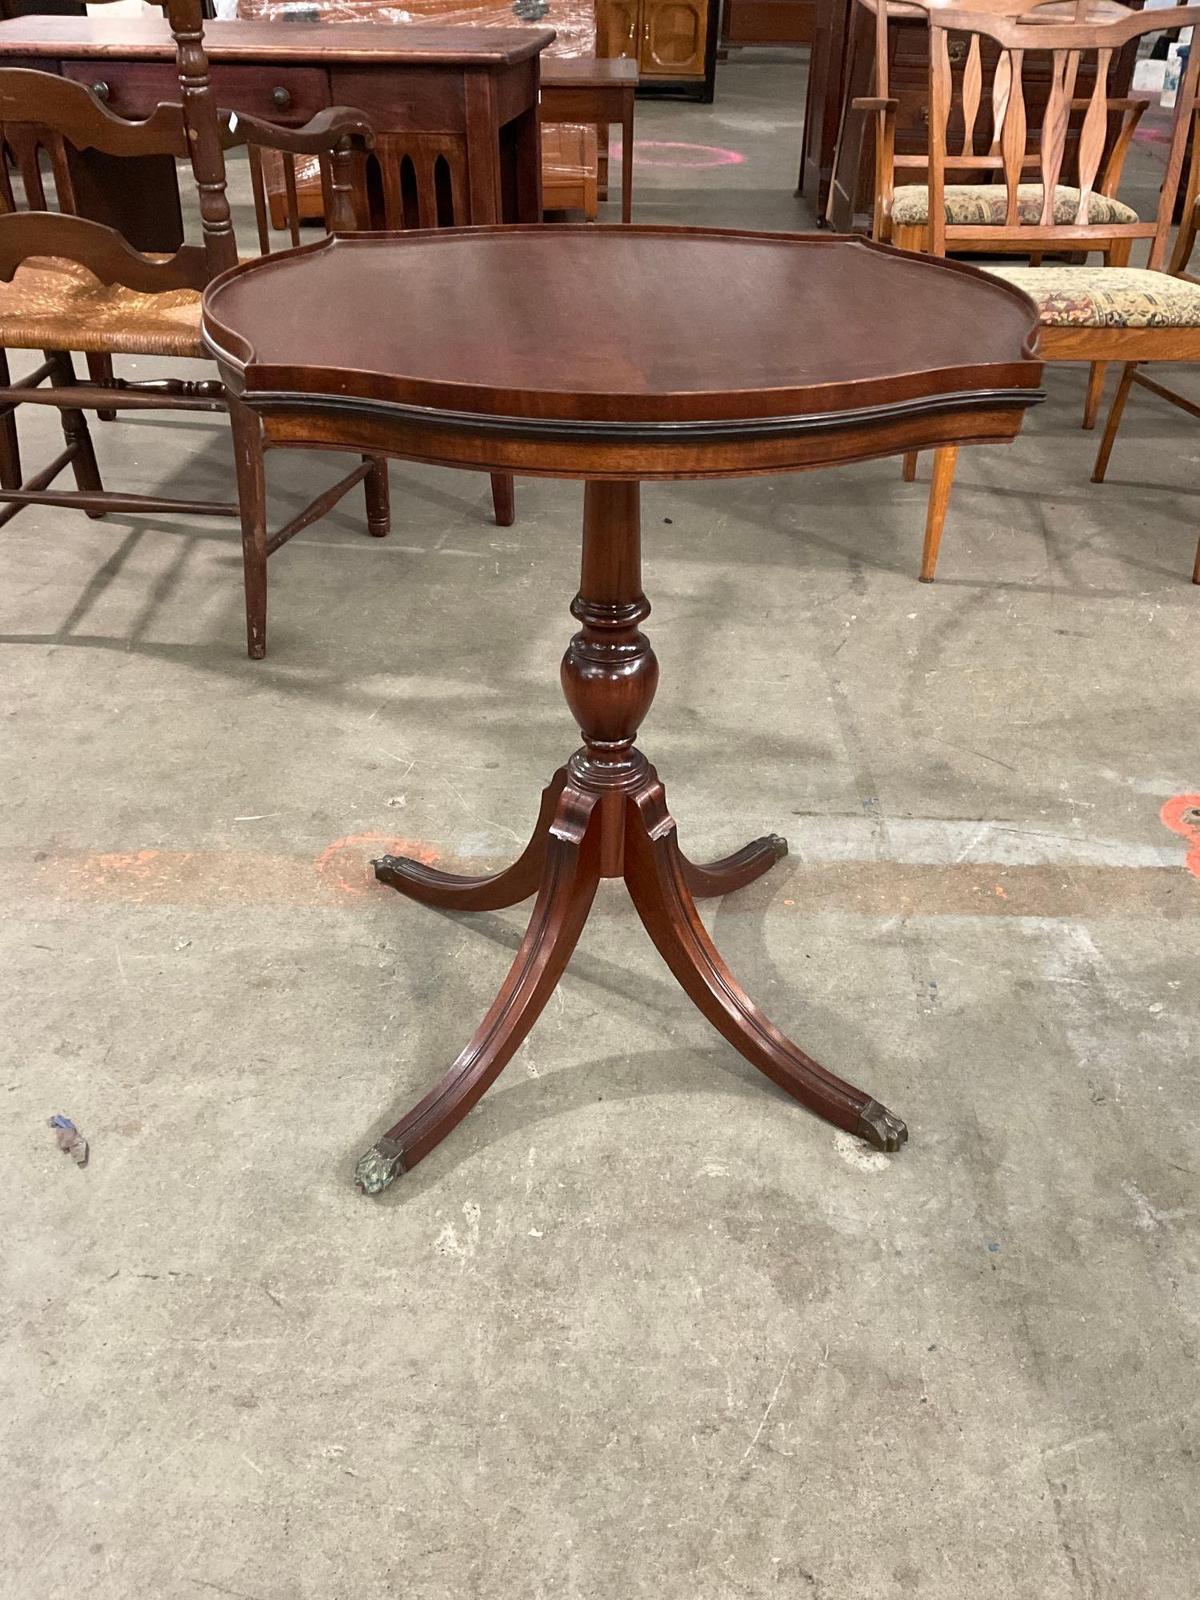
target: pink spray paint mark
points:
(696, 157)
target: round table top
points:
(619, 332)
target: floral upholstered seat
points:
(1107, 297)
(984, 205)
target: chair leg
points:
(503, 499)
(250, 463)
(75, 431)
(100, 370)
(1114, 421)
(944, 462)
(10, 450)
(911, 457)
(376, 488)
(1097, 373)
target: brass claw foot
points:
(878, 1126)
(382, 1165)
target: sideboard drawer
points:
(287, 95)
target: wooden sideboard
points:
(455, 109)
(674, 42)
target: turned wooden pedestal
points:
(604, 815)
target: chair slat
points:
(1054, 131)
(1093, 135)
(1001, 89)
(972, 90)
(1012, 140)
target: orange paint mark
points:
(1182, 815)
(345, 865)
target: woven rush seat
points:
(984, 205)
(1106, 297)
(55, 304)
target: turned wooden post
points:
(610, 671)
(204, 140)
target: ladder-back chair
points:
(73, 284)
(1088, 314)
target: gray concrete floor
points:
(641, 1327)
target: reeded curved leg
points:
(451, 891)
(657, 882)
(572, 871)
(733, 872)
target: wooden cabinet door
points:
(673, 38)
(618, 28)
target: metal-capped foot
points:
(779, 844)
(878, 1126)
(381, 1165)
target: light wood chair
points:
(1131, 372)
(976, 212)
(1088, 314)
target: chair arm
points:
(1127, 102)
(884, 108)
(337, 127)
(1185, 240)
(1132, 109)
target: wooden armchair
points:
(1131, 372)
(975, 215)
(1089, 314)
(974, 212)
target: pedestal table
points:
(466, 348)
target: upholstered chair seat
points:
(984, 204)
(1107, 297)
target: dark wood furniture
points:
(454, 109)
(598, 93)
(767, 22)
(71, 283)
(1091, 314)
(823, 102)
(492, 367)
(674, 42)
(455, 112)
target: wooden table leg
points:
(605, 816)
(627, 158)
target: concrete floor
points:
(641, 1326)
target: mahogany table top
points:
(620, 325)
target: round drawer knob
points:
(281, 98)
(100, 89)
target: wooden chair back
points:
(997, 138)
(43, 117)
